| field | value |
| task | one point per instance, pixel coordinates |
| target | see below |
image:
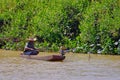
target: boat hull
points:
(46, 58)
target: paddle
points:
(89, 56)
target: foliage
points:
(84, 25)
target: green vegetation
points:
(86, 25)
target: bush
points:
(73, 23)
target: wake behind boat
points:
(46, 58)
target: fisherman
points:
(29, 47)
(63, 50)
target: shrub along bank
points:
(83, 25)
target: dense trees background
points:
(85, 25)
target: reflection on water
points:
(74, 67)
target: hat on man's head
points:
(32, 39)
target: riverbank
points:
(11, 53)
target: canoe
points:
(46, 58)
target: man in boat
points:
(63, 50)
(29, 47)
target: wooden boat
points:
(46, 58)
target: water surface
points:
(74, 67)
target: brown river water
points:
(74, 67)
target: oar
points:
(89, 56)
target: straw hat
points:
(32, 39)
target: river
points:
(74, 67)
